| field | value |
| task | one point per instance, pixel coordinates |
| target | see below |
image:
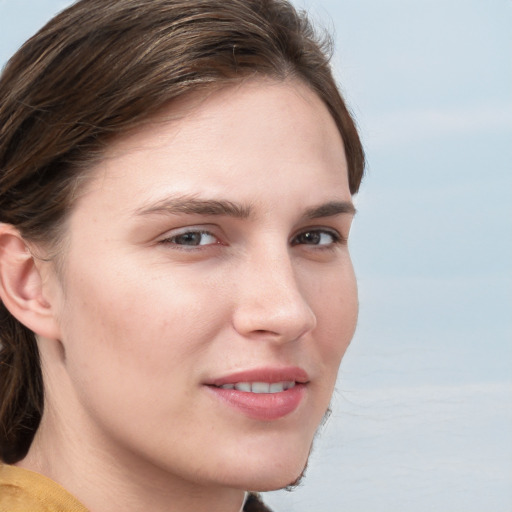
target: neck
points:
(107, 479)
(105, 485)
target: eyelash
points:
(336, 238)
(316, 234)
(171, 240)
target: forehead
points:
(245, 104)
(228, 139)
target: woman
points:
(177, 292)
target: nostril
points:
(272, 307)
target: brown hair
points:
(97, 70)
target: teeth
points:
(277, 387)
(260, 387)
(243, 386)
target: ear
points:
(22, 288)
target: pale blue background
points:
(423, 411)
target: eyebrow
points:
(194, 206)
(330, 209)
(213, 207)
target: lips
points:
(270, 375)
(262, 394)
(261, 387)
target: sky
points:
(422, 413)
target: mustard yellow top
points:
(22, 490)
(25, 491)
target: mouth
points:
(262, 394)
(261, 387)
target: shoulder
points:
(22, 490)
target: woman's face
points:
(207, 294)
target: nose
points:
(270, 303)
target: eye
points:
(191, 239)
(319, 237)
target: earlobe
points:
(22, 286)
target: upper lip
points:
(269, 374)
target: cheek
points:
(336, 306)
(127, 331)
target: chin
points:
(273, 482)
(277, 472)
(280, 483)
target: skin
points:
(140, 320)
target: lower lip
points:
(262, 406)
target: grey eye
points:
(193, 238)
(316, 237)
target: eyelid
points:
(167, 238)
(338, 238)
